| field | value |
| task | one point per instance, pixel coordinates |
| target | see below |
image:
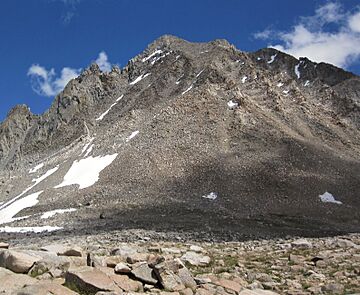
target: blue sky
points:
(46, 42)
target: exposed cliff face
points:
(12, 133)
(264, 132)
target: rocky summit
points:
(196, 141)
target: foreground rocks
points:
(297, 266)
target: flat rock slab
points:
(4, 245)
(228, 284)
(45, 288)
(55, 265)
(126, 284)
(196, 259)
(125, 250)
(144, 273)
(122, 268)
(301, 244)
(187, 278)
(257, 292)
(10, 282)
(62, 250)
(89, 281)
(15, 261)
(171, 281)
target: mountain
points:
(195, 138)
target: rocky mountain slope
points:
(194, 138)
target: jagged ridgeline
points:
(199, 138)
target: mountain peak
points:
(195, 131)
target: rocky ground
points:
(96, 265)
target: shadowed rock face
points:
(263, 131)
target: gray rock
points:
(56, 266)
(45, 288)
(196, 259)
(89, 281)
(122, 268)
(333, 288)
(11, 282)
(187, 278)
(124, 250)
(62, 250)
(4, 245)
(170, 281)
(301, 244)
(144, 273)
(18, 262)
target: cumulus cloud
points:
(103, 63)
(48, 83)
(45, 82)
(331, 35)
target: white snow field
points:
(36, 180)
(36, 168)
(85, 172)
(52, 213)
(27, 229)
(7, 214)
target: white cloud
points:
(354, 22)
(47, 83)
(315, 36)
(103, 63)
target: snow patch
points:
(199, 73)
(307, 83)
(138, 79)
(272, 59)
(211, 196)
(280, 84)
(89, 151)
(36, 168)
(132, 135)
(49, 214)
(232, 105)
(286, 91)
(87, 145)
(36, 180)
(297, 71)
(158, 51)
(259, 58)
(109, 109)
(85, 172)
(7, 214)
(187, 90)
(243, 80)
(34, 229)
(329, 198)
(155, 59)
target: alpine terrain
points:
(198, 140)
